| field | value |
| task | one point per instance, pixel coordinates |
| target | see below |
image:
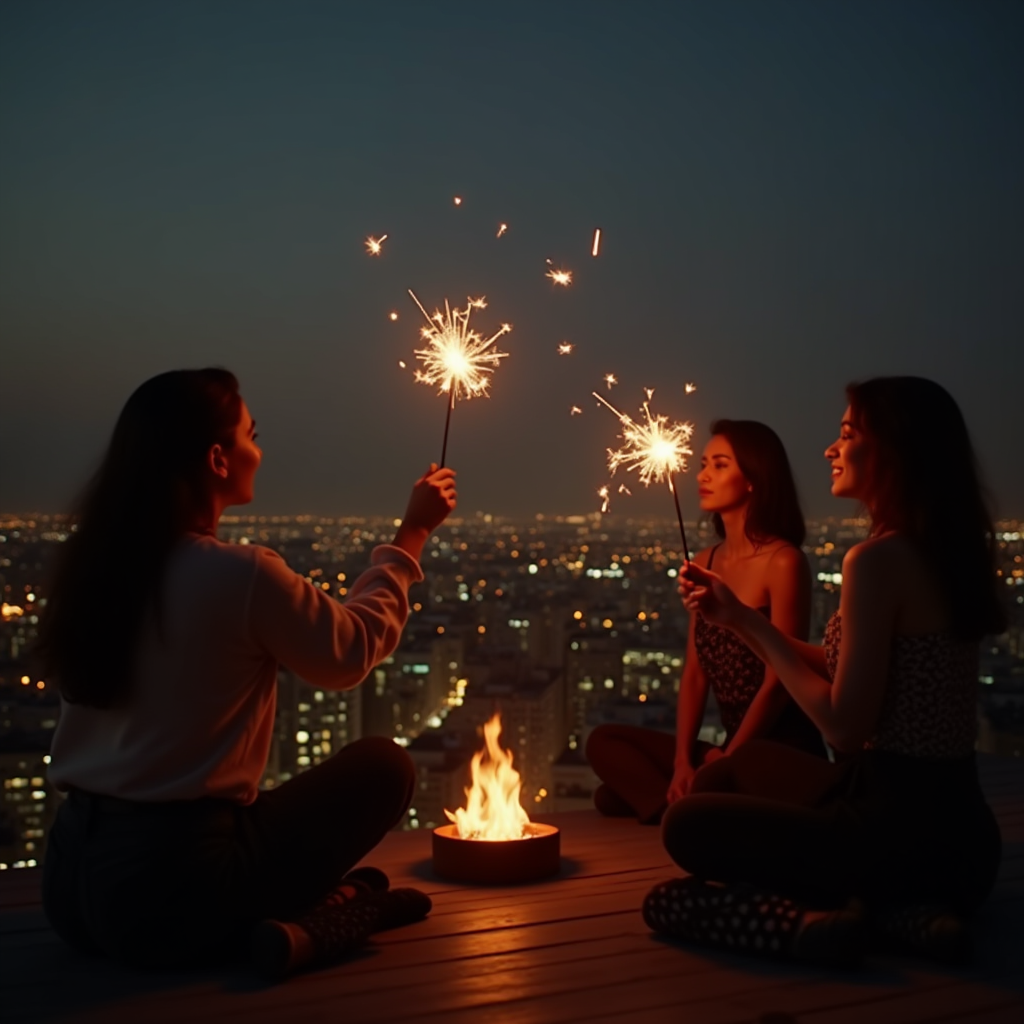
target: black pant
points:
(885, 827)
(167, 884)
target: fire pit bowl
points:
(497, 862)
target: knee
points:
(386, 763)
(597, 743)
(716, 777)
(685, 831)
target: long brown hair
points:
(774, 509)
(137, 506)
(924, 482)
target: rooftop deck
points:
(572, 949)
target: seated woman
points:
(165, 644)
(747, 487)
(900, 822)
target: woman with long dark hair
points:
(899, 822)
(747, 488)
(165, 644)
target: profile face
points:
(848, 457)
(244, 459)
(721, 483)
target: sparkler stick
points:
(456, 358)
(656, 449)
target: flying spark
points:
(575, 411)
(457, 200)
(690, 388)
(393, 315)
(502, 228)
(565, 348)
(374, 245)
(596, 248)
(623, 489)
(611, 380)
(457, 359)
(602, 493)
(401, 363)
(562, 277)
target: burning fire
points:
(492, 810)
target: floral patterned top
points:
(733, 670)
(931, 693)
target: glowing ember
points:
(456, 359)
(596, 247)
(457, 200)
(374, 245)
(565, 348)
(502, 228)
(560, 277)
(393, 315)
(492, 810)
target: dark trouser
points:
(885, 827)
(166, 884)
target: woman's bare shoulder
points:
(786, 557)
(701, 557)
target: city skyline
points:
(790, 196)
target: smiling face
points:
(242, 460)
(848, 456)
(721, 481)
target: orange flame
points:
(492, 810)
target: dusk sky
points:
(791, 195)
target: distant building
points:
(311, 724)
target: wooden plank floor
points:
(571, 949)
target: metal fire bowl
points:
(497, 862)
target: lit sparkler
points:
(596, 247)
(457, 359)
(502, 228)
(375, 245)
(560, 277)
(565, 348)
(656, 449)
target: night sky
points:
(791, 195)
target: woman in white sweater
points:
(165, 643)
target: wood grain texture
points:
(569, 949)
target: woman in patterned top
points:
(747, 488)
(899, 822)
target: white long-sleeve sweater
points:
(199, 718)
